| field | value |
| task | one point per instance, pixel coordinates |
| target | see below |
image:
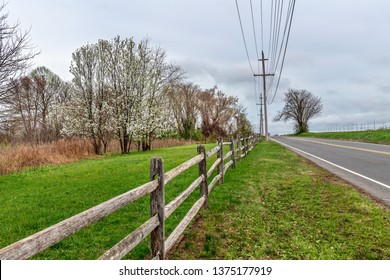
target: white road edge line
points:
(331, 163)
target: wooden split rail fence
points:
(159, 211)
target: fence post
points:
(238, 148)
(244, 147)
(220, 155)
(232, 150)
(204, 191)
(157, 204)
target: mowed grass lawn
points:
(381, 136)
(35, 199)
(275, 205)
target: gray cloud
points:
(338, 50)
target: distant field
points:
(371, 136)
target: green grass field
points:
(381, 136)
(272, 206)
(35, 199)
(275, 205)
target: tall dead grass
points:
(166, 143)
(20, 156)
(15, 158)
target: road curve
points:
(365, 165)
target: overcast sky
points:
(338, 50)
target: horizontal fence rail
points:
(159, 211)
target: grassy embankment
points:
(277, 206)
(381, 136)
(272, 206)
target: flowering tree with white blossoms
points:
(119, 91)
(89, 111)
(157, 79)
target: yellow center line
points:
(346, 147)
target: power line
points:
(278, 13)
(243, 38)
(270, 31)
(289, 17)
(281, 15)
(262, 31)
(254, 31)
(276, 50)
(285, 50)
(275, 41)
(272, 48)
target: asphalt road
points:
(365, 165)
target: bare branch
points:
(15, 52)
(300, 106)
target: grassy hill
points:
(381, 136)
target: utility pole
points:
(261, 116)
(261, 126)
(264, 94)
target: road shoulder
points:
(376, 190)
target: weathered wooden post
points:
(204, 191)
(220, 155)
(232, 150)
(243, 146)
(157, 204)
(238, 148)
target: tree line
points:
(121, 90)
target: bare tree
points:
(240, 123)
(46, 86)
(15, 52)
(30, 106)
(300, 106)
(183, 99)
(216, 110)
(23, 110)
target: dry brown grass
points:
(165, 143)
(20, 156)
(17, 157)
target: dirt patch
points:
(196, 238)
